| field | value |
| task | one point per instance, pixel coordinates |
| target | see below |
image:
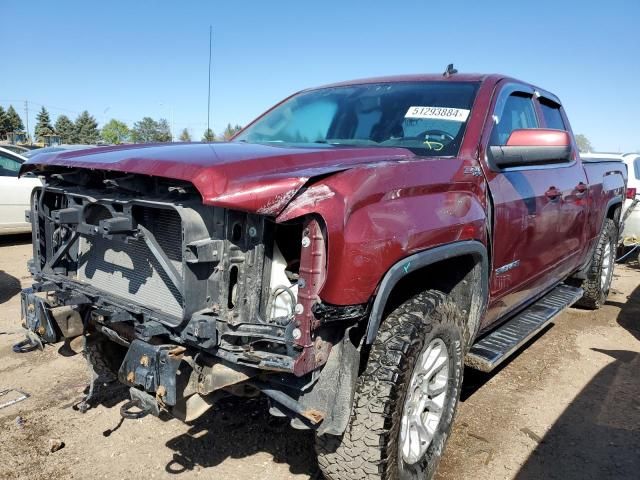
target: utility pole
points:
(209, 95)
(26, 113)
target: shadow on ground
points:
(475, 379)
(598, 435)
(15, 239)
(9, 286)
(238, 428)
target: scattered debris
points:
(19, 422)
(475, 435)
(12, 396)
(489, 454)
(531, 434)
(24, 346)
(55, 444)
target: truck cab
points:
(345, 254)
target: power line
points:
(26, 112)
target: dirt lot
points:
(568, 407)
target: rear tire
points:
(596, 286)
(415, 365)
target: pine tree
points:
(163, 132)
(86, 129)
(43, 127)
(228, 132)
(148, 130)
(209, 136)
(3, 123)
(14, 120)
(65, 128)
(184, 136)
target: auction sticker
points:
(441, 113)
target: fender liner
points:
(422, 259)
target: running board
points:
(492, 349)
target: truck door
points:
(571, 231)
(530, 242)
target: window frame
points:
(556, 105)
(501, 95)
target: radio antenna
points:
(209, 93)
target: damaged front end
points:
(182, 301)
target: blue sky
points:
(131, 59)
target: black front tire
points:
(370, 447)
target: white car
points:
(15, 193)
(631, 210)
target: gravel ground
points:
(567, 407)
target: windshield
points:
(428, 118)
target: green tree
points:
(43, 125)
(148, 130)
(115, 132)
(144, 130)
(65, 128)
(584, 145)
(3, 123)
(163, 133)
(209, 136)
(14, 121)
(184, 136)
(230, 131)
(86, 129)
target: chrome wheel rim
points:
(425, 401)
(607, 262)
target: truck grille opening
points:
(129, 269)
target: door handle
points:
(553, 193)
(581, 189)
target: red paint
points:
(380, 205)
(539, 137)
(256, 178)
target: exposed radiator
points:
(130, 271)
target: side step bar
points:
(492, 349)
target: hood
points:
(250, 177)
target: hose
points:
(628, 253)
(275, 293)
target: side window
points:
(518, 112)
(8, 166)
(552, 115)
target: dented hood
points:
(255, 178)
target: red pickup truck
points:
(346, 255)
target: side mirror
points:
(532, 146)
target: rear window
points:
(552, 116)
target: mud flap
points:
(334, 391)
